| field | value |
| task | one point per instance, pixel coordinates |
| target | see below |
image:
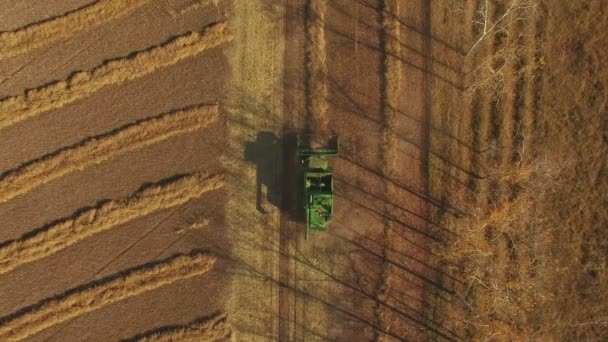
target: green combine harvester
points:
(318, 182)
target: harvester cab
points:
(318, 181)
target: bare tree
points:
(517, 9)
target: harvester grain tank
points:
(318, 182)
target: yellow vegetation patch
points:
(192, 5)
(47, 32)
(83, 84)
(102, 148)
(96, 295)
(110, 214)
(193, 227)
(212, 329)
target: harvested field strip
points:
(214, 328)
(84, 224)
(390, 92)
(49, 31)
(102, 148)
(84, 83)
(316, 65)
(95, 295)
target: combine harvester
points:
(318, 182)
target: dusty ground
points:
(442, 152)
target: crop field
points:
(150, 188)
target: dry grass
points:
(98, 294)
(212, 329)
(99, 149)
(506, 257)
(108, 215)
(316, 66)
(532, 251)
(192, 5)
(50, 31)
(193, 227)
(85, 83)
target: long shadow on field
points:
(264, 152)
(277, 173)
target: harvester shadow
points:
(265, 152)
(277, 172)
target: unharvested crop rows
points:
(83, 84)
(96, 295)
(49, 31)
(99, 149)
(107, 216)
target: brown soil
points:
(463, 202)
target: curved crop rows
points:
(87, 223)
(98, 294)
(84, 83)
(102, 148)
(211, 329)
(49, 31)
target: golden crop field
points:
(151, 187)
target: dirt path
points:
(253, 108)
